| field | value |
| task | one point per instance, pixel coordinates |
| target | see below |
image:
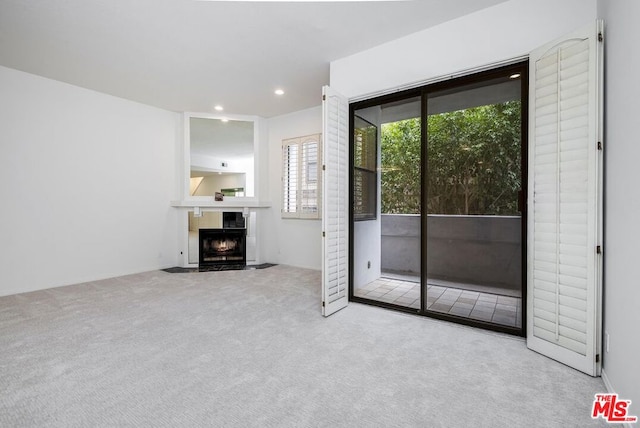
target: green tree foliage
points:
(400, 161)
(473, 162)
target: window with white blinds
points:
(301, 179)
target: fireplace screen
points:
(220, 247)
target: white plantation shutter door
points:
(564, 266)
(335, 226)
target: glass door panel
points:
(387, 202)
(473, 189)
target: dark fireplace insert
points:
(222, 249)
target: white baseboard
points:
(606, 381)
(611, 390)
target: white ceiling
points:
(189, 55)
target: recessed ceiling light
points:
(219, 108)
(278, 92)
(224, 119)
(514, 76)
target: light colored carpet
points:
(250, 348)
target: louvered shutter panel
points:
(290, 185)
(335, 226)
(563, 320)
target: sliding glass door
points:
(438, 199)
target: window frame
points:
(369, 174)
(295, 178)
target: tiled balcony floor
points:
(489, 307)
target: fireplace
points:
(222, 249)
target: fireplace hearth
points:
(222, 249)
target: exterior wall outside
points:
(483, 250)
(86, 184)
(401, 243)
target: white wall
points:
(295, 242)
(622, 204)
(503, 32)
(85, 184)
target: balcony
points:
(474, 266)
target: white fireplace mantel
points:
(231, 204)
(249, 207)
